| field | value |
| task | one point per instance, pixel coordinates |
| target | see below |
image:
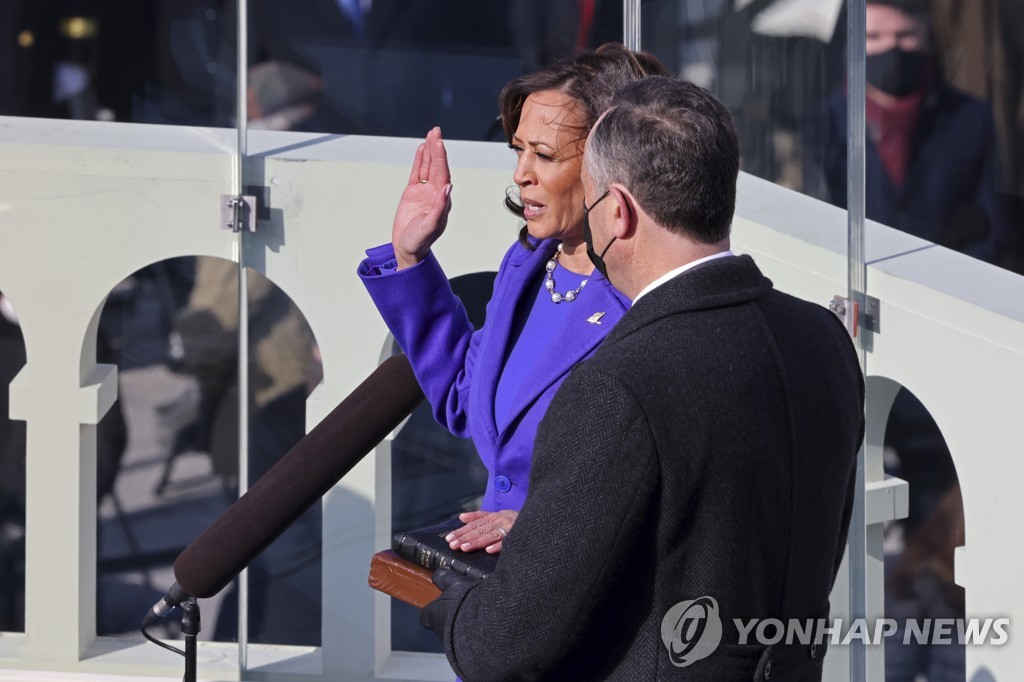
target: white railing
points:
(83, 205)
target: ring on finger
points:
(503, 533)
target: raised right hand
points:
(423, 210)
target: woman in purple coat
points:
(549, 308)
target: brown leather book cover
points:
(402, 579)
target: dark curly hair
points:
(591, 77)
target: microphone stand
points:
(190, 627)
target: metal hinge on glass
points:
(864, 309)
(238, 213)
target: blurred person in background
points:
(931, 156)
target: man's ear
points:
(625, 216)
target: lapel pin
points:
(595, 318)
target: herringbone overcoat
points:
(706, 450)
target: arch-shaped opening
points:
(136, 535)
(12, 477)
(172, 329)
(434, 475)
(919, 550)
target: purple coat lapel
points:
(572, 342)
(522, 268)
(575, 339)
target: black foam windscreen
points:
(361, 421)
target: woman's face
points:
(549, 144)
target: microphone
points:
(317, 462)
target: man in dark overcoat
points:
(699, 469)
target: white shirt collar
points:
(678, 271)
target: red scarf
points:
(892, 130)
(586, 8)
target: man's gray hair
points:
(674, 147)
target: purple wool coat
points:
(459, 368)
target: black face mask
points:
(597, 260)
(897, 72)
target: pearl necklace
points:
(549, 282)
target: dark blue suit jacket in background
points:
(949, 195)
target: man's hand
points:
(434, 615)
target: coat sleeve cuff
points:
(380, 261)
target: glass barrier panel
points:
(136, 202)
(284, 590)
(774, 67)
(397, 68)
(944, 156)
(942, 162)
(783, 69)
(116, 60)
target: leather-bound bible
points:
(405, 571)
(427, 547)
(402, 579)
